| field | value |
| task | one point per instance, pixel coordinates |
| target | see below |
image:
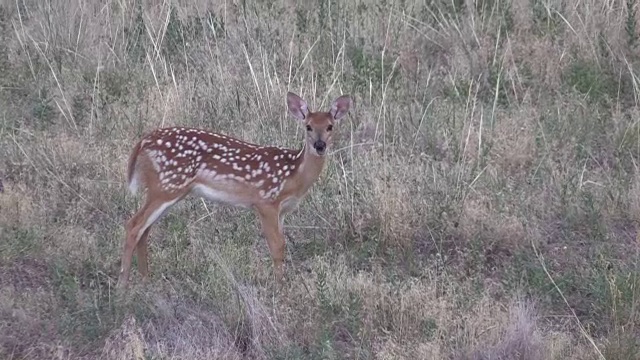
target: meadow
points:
(480, 201)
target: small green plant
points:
(135, 37)
(621, 346)
(547, 20)
(352, 317)
(429, 327)
(81, 292)
(369, 69)
(616, 299)
(19, 241)
(630, 24)
(301, 21)
(181, 33)
(492, 10)
(322, 291)
(590, 79)
(215, 23)
(43, 110)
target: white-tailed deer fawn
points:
(172, 163)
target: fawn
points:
(171, 163)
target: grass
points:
(480, 202)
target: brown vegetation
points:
(480, 202)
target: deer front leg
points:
(272, 230)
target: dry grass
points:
(482, 131)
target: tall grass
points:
(480, 202)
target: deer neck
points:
(310, 167)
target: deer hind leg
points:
(142, 251)
(137, 232)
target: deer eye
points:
(330, 127)
(308, 127)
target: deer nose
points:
(320, 146)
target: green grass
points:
(481, 199)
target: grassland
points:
(481, 200)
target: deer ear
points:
(297, 107)
(340, 107)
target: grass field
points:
(480, 201)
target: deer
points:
(175, 162)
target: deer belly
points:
(221, 195)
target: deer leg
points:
(139, 224)
(270, 220)
(129, 244)
(142, 251)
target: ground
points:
(480, 201)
